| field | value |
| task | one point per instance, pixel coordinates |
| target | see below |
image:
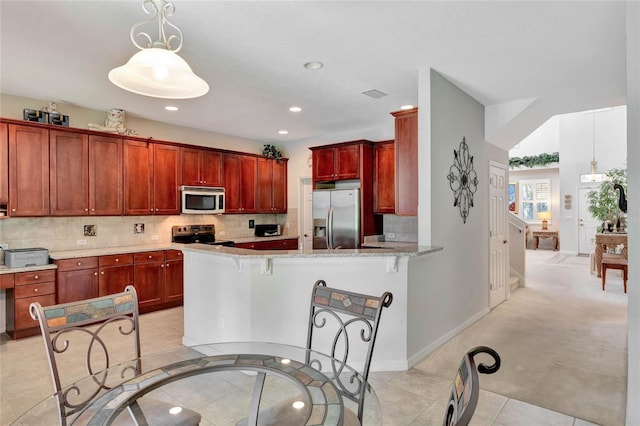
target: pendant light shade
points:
(157, 70)
(159, 73)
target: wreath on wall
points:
(534, 160)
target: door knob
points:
(505, 242)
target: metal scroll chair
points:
(466, 387)
(348, 322)
(84, 339)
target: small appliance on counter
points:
(203, 234)
(268, 230)
(20, 258)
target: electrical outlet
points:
(391, 235)
(154, 237)
(252, 223)
(220, 322)
(221, 232)
(4, 246)
(82, 242)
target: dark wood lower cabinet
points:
(77, 279)
(29, 287)
(116, 272)
(284, 244)
(174, 276)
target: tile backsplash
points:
(73, 233)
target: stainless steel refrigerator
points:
(336, 218)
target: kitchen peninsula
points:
(233, 294)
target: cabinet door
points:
(348, 162)
(264, 199)
(190, 167)
(77, 285)
(384, 178)
(114, 279)
(166, 163)
(148, 279)
(233, 203)
(28, 171)
(406, 132)
(105, 176)
(138, 178)
(174, 280)
(4, 163)
(68, 173)
(324, 161)
(211, 168)
(279, 177)
(23, 318)
(248, 182)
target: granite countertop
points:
(6, 270)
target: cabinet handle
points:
(79, 263)
(86, 210)
(35, 290)
(102, 273)
(93, 210)
(156, 209)
(150, 257)
(117, 260)
(162, 266)
(13, 210)
(167, 265)
(36, 277)
(95, 274)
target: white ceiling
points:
(570, 56)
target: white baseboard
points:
(421, 354)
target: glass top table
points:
(240, 383)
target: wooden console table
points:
(545, 234)
(611, 240)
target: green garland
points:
(534, 160)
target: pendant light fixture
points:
(594, 176)
(157, 70)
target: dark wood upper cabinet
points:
(337, 162)
(28, 170)
(406, 144)
(272, 186)
(166, 167)
(201, 167)
(138, 178)
(105, 176)
(384, 177)
(4, 166)
(240, 183)
(68, 173)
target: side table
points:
(545, 234)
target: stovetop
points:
(203, 234)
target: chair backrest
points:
(350, 322)
(466, 387)
(84, 338)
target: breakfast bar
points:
(233, 294)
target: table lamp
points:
(545, 216)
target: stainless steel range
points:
(203, 234)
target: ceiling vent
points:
(374, 93)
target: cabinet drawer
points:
(148, 256)
(22, 317)
(173, 255)
(77, 263)
(32, 290)
(6, 281)
(34, 277)
(116, 260)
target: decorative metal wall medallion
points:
(463, 180)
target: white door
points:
(498, 255)
(587, 224)
(306, 211)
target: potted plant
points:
(603, 202)
(270, 151)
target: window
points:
(535, 197)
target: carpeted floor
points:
(563, 341)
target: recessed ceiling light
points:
(407, 107)
(171, 108)
(295, 109)
(283, 132)
(313, 65)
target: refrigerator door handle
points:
(329, 233)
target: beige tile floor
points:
(413, 397)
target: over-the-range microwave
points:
(202, 200)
